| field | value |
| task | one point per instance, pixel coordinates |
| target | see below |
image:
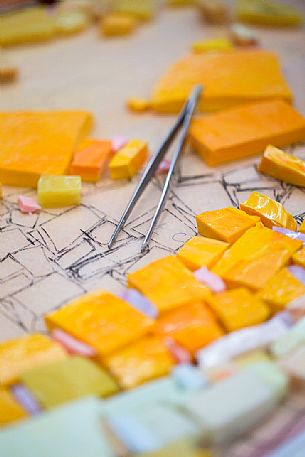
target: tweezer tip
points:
(144, 248)
(111, 242)
(198, 88)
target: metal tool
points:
(183, 122)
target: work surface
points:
(50, 258)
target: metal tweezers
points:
(183, 122)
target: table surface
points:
(51, 258)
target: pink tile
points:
(28, 205)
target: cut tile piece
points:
(179, 353)
(118, 142)
(59, 191)
(290, 233)
(229, 78)
(73, 430)
(127, 162)
(142, 10)
(214, 44)
(299, 257)
(233, 406)
(149, 430)
(117, 25)
(268, 12)
(10, 410)
(92, 9)
(146, 359)
(26, 26)
(29, 140)
(215, 12)
(24, 353)
(28, 205)
(163, 167)
(101, 320)
(253, 259)
(167, 283)
(73, 345)
(298, 272)
(281, 289)
(8, 71)
(226, 224)
(139, 105)
(246, 130)
(242, 35)
(201, 251)
(25, 398)
(209, 279)
(90, 159)
(283, 166)
(77, 5)
(238, 308)
(66, 380)
(139, 302)
(192, 326)
(71, 22)
(290, 341)
(272, 213)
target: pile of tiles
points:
(220, 324)
(58, 177)
(123, 17)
